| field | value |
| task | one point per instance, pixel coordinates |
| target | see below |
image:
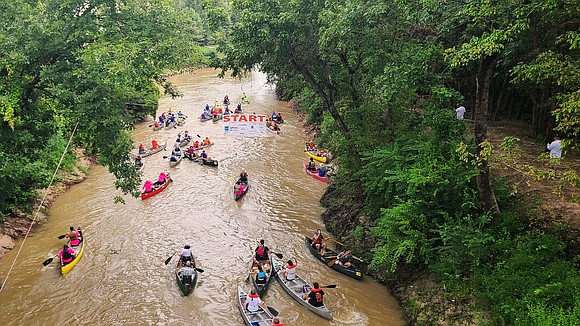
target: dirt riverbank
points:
(15, 226)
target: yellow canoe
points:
(64, 269)
(318, 158)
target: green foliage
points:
(532, 274)
(99, 64)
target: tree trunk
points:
(327, 97)
(483, 179)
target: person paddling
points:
(74, 237)
(148, 186)
(186, 254)
(289, 271)
(316, 296)
(161, 179)
(253, 302)
(317, 242)
(66, 254)
(261, 252)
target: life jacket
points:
(67, 256)
(318, 239)
(261, 250)
(253, 296)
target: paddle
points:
(273, 311)
(49, 260)
(331, 239)
(61, 236)
(331, 286)
(332, 262)
(169, 259)
(197, 269)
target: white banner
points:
(245, 125)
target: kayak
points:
(174, 163)
(180, 121)
(350, 271)
(185, 287)
(297, 289)
(266, 267)
(259, 318)
(318, 158)
(145, 195)
(152, 151)
(79, 250)
(239, 195)
(217, 117)
(204, 118)
(314, 174)
(139, 169)
(197, 158)
(158, 127)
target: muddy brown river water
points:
(122, 279)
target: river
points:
(122, 279)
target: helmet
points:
(188, 263)
(321, 164)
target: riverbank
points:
(538, 215)
(15, 226)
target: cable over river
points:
(122, 278)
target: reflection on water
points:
(122, 279)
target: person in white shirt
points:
(460, 112)
(555, 148)
(187, 272)
(253, 301)
(186, 254)
(289, 271)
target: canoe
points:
(171, 125)
(202, 147)
(197, 158)
(295, 289)
(79, 250)
(238, 196)
(271, 129)
(314, 174)
(184, 142)
(145, 195)
(152, 151)
(318, 158)
(350, 271)
(186, 288)
(174, 163)
(267, 267)
(259, 318)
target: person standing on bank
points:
(555, 148)
(460, 112)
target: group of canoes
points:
(267, 265)
(168, 120)
(320, 172)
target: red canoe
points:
(145, 195)
(314, 174)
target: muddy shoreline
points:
(15, 226)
